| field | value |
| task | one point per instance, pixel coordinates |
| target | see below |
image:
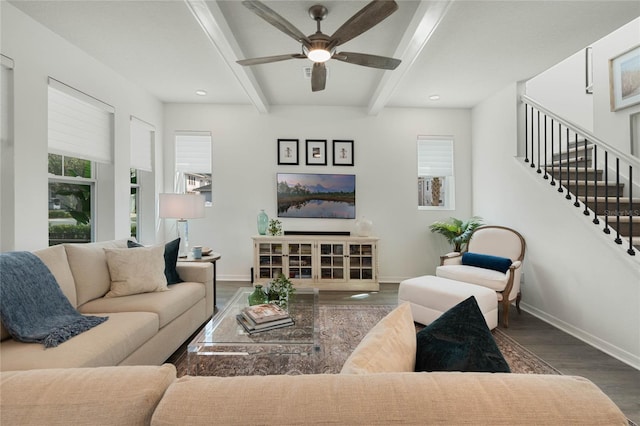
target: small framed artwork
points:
(624, 79)
(288, 151)
(316, 152)
(342, 153)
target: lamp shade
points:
(181, 206)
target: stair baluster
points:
(553, 182)
(595, 185)
(606, 229)
(631, 251)
(560, 155)
(539, 170)
(546, 176)
(568, 196)
(618, 240)
(586, 176)
(526, 130)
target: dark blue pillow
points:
(486, 261)
(170, 258)
(459, 340)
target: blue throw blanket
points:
(32, 305)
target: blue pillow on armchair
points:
(486, 261)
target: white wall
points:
(245, 167)
(612, 127)
(38, 53)
(561, 89)
(575, 277)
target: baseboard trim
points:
(606, 347)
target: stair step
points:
(580, 143)
(624, 225)
(590, 172)
(581, 162)
(571, 153)
(625, 205)
(590, 188)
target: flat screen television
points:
(309, 195)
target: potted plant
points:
(456, 231)
(280, 290)
(275, 227)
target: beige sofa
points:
(142, 328)
(145, 395)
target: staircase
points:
(589, 173)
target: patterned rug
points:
(342, 327)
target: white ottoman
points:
(431, 296)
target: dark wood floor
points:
(564, 352)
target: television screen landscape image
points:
(327, 196)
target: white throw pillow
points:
(389, 347)
(136, 271)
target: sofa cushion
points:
(106, 344)
(136, 271)
(459, 340)
(168, 305)
(55, 258)
(390, 346)
(88, 265)
(472, 274)
(171, 250)
(486, 261)
(99, 396)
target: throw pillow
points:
(486, 261)
(459, 340)
(388, 347)
(170, 258)
(136, 271)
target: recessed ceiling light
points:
(201, 92)
(434, 97)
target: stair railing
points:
(546, 132)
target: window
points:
(193, 164)
(71, 188)
(80, 134)
(436, 186)
(141, 156)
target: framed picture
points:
(315, 195)
(624, 79)
(288, 151)
(342, 153)
(316, 152)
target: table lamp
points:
(182, 207)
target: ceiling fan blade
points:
(318, 77)
(367, 60)
(272, 17)
(368, 17)
(269, 59)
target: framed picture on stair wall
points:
(624, 79)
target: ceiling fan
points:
(320, 47)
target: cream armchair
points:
(486, 271)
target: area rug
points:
(342, 327)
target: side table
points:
(213, 257)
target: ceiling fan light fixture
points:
(319, 55)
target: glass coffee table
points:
(224, 348)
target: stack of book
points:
(264, 317)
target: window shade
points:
(142, 135)
(79, 125)
(435, 157)
(193, 153)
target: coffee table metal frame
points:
(224, 336)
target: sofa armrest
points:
(453, 258)
(199, 272)
(515, 265)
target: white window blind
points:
(142, 135)
(435, 156)
(79, 125)
(193, 152)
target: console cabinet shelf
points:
(325, 262)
